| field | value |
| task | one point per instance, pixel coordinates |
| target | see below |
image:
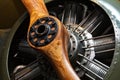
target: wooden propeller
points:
(56, 50)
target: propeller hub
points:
(43, 31)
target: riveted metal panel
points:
(112, 8)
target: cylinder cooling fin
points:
(91, 46)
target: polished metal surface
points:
(112, 8)
(95, 47)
